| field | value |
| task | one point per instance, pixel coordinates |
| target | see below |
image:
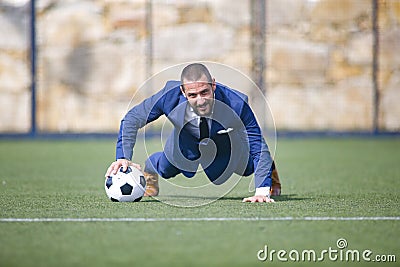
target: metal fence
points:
(72, 67)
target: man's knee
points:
(158, 163)
(149, 165)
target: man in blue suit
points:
(213, 126)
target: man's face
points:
(200, 95)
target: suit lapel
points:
(177, 111)
(219, 115)
(181, 111)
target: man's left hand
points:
(254, 199)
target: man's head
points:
(198, 87)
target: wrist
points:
(263, 191)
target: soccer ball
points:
(128, 186)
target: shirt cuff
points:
(263, 191)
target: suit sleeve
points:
(259, 150)
(140, 115)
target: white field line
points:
(203, 219)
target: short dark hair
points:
(193, 72)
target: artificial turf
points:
(336, 178)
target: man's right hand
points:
(116, 165)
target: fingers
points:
(112, 169)
(116, 165)
(124, 164)
(254, 199)
(137, 166)
(109, 170)
(246, 199)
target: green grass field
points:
(321, 178)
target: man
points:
(213, 126)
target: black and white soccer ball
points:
(128, 186)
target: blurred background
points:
(72, 66)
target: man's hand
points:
(116, 165)
(258, 199)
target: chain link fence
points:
(324, 65)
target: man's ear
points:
(214, 85)
(183, 91)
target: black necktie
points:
(204, 131)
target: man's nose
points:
(200, 100)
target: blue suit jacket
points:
(235, 141)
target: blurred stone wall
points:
(320, 64)
(92, 59)
(14, 69)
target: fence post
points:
(258, 42)
(257, 47)
(375, 66)
(149, 38)
(33, 66)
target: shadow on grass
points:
(289, 197)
